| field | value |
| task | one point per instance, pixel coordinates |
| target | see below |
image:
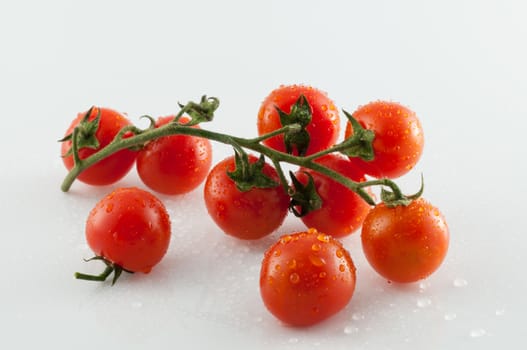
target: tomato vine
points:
(359, 144)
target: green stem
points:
(281, 175)
(75, 147)
(99, 278)
(254, 144)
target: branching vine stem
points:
(140, 137)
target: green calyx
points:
(249, 175)
(84, 135)
(110, 267)
(304, 198)
(360, 144)
(300, 114)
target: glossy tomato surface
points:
(405, 243)
(325, 122)
(398, 142)
(250, 214)
(112, 168)
(129, 227)
(342, 211)
(174, 164)
(306, 277)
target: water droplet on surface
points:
(460, 282)
(476, 333)
(137, 304)
(293, 340)
(500, 312)
(450, 316)
(423, 286)
(424, 302)
(350, 330)
(357, 316)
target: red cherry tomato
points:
(398, 142)
(131, 228)
(112, 168)
(342, 211)
(324, 126)
(405, 243)
(306, 277)
(247, 215)
(174, 164)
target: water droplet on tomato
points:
(323, 238)
(316, 247)
(324, 107)
(285, 239)
(294, 278)
(342, 268)
(277, 267)
(277, 252)
(109, 208)
(339, 253)
(292, 264)
(317, 260)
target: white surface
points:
(461, 65)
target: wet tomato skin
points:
(129, 227)
(306, 277)
(325, 121)
(248, 215)
(398, 142)
(174, 164)
(342, 211)
(405, 243)
(112, 168)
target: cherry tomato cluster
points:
(306, 276)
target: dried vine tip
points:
(199, 112)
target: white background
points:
(461, 65)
